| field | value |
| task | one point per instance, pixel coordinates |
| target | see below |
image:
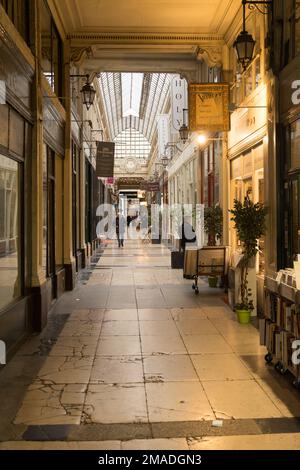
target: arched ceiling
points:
(134, 101)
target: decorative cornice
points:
(145, 38)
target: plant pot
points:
(243, 316)
(213, 281)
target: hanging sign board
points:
(209, 107)
(179, 101)
(163, 130)
(105, 159)
(153, 187)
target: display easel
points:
(210, 261)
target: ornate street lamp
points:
(184, 130)
(88, 94)
(88, 91)
(244, 43)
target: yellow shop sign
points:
(209, 107)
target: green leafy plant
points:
(213, 224)
(250, 224)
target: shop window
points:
(48, 248)
(10, 231)
(295, 222)
(257, 72)
(295, 145)
(214, 74)
(18, 12)
(45, 211)
(76, 200)
(52, 246)
(59, 215)
(204, 177)
(51, 50)
(248, 80)
(292, 195)
(297, 28)
(260, 197)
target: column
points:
(38, 308)
(69, 260)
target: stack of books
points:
(280, 328)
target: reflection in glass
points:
(59, 208)
(295, 217)
(10, 284)
(295, 142)
(45, 209)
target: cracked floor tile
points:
(75, 346)
(156, 345)
(90, 315)
(240, 399)
(52, 404)
(115, 404)
(81, 328)
(178, 401)
(119, 346)
(121, 370)
(173, 368)
(61, 370)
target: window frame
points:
(20, 17)
(55, 76)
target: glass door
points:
(51, 222)
(48, 252)
(295, 219)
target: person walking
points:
(188, 236)
(120, 229)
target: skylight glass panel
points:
(132, 87)
(132, 144)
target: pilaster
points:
(69, 259)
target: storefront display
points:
(10, 231)
(292, 193)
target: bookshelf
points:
(280, 326)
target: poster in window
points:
(209, 107)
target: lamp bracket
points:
(86, 76)
(89, 77)
(173, 146)
(257, 5)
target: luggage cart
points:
(208, 261)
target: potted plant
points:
(213, 226)
(250, 224)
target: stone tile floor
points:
(133, 353)
(259, 442)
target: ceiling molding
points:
(145, 38)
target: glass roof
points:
(131, 143)
(133, 101)
(132, 87)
